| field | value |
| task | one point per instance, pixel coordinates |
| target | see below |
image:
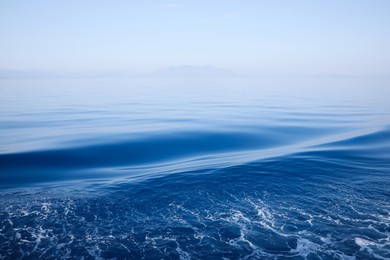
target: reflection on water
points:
(195, 168)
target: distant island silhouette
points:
(194, 71)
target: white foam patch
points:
(306, 247)
(368, 245)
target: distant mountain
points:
(194, 71)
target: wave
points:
(180, 150)
(372, 144)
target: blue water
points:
(164, 168)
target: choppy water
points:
(195, 169)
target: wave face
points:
(195, 169)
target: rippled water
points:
(195, 168)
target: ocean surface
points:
(162, 168)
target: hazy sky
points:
(266, 37)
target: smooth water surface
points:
(195, 168)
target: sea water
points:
(195, 168)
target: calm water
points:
(195, 168)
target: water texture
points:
(195, 168)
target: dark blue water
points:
(195, 168)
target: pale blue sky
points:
(275, 37)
